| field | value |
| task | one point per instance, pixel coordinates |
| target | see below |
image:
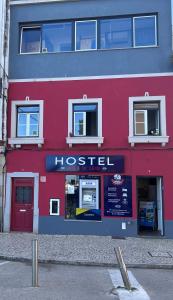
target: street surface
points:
(65, 282)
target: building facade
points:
(89, 118)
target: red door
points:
(22, 204)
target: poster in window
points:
(118, 196)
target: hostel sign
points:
(85, 163)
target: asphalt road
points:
(64, 282)
(56, 282)
(157, 283)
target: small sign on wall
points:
(54, 207)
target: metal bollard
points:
(35, 263)
(123, 269)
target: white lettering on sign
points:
(81, 161)
(72, 159)
(101, 161)
(91, 158)
(108, 162)
(59, 161)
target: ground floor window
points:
(82, 197)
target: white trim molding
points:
(163, 138)
(7, 208)
(97, 77)
(25, 2)
(85, 139)
(14, 140)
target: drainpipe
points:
(5, 63)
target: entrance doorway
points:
(22, 204)
(150, 207)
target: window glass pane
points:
(30, 40)
(57, 37)
(88, 107)
(91, 123)
(28, 108)
(116, 33)
(79, 123)
(145, 31)
(21, 130)
(21, 125)
(86, 35)
(139, 117)
(34, 119)
(153, 122)
(33, 130)
(140, 128)
(23, 194)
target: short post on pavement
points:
(35, 263)
(123, 269)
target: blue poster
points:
(118, 196)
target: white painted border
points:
(25, 140)
(38, 1)
(163, 139)
(58, 206)
(7, 208)
(48, 79)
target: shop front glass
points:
(82, 197)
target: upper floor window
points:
(57, 37)
(27, 121)
(145, 31)
(116, 33)
(103, 33)
(84, 121)
(147, 120)
(86, 35)
(30, 40)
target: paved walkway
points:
(90, 250)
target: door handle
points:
(22, 210)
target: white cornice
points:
(169, 74)
(25, 2)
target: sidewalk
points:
(88, 250)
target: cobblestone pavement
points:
(90, 250)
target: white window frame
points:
(162, 138)
(28, 123)
(134, 36)
(145, 121)
(58, 207)
(21, 39)
(84, 122)
(14, 140)
(84, 139)
(85, 21)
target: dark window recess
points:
(85, 120)
(24, 194)
(54, 207)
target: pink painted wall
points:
(142, 160)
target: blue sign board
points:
(118, 196)
(85, 163)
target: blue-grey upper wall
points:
(91, 63)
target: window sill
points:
(25, 141)
(148, 139)
(84, 140)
